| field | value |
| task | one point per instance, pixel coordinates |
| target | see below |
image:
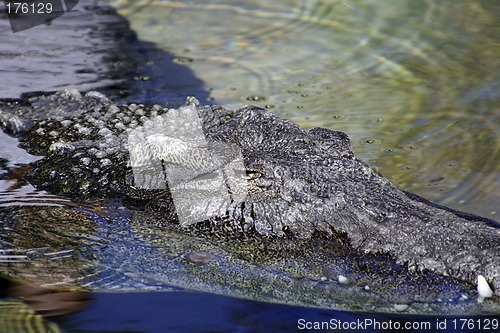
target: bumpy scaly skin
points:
(299, 183)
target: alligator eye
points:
(247, 174)
(251, 175)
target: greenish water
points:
(415, 84)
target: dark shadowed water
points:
(415, 85)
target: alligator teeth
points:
(483, 289)
(343, 280)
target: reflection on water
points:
(15, 316)
(415, 84)
(49, 302)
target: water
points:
(415, 85)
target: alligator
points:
(297, 211)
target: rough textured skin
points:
(301, 185)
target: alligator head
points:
(253, 172)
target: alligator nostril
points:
(199, 258)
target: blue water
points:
(201, 312)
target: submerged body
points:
(301, 211)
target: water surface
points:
(415, 84)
